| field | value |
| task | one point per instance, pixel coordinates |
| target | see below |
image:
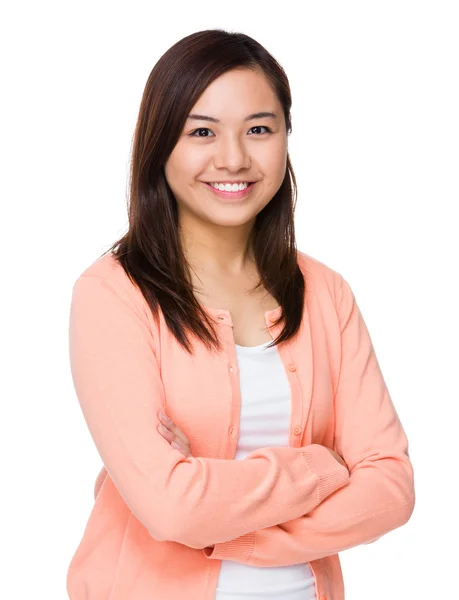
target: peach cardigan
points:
(157, 512)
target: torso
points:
(247, 310)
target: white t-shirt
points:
(265, 421)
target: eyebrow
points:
(258, 115)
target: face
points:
(232, 149)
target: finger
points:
(169, 424)
(165, 432)
(174, 441)
(171, 438)
(181, 448)
(179, 434)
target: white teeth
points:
(228, 187)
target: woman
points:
(279, 444)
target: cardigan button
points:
(291, 367)
(297, 430)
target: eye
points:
(262, 127)
(193, 133)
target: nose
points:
(231, 154)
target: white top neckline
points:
(252, 349)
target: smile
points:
(240, 193)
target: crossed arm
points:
(279, 545)
(379, 496)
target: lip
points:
(231, 195)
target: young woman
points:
(228, 380)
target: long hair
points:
(150, 251)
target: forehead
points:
(236, 94)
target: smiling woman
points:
(290, 449)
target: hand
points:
(173, 434)
(338, 457)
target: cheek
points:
(187, 168)
(179, 172)
(273, 159)
(274, 174)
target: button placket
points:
(225, 318)
(232, 366)
(291, 368)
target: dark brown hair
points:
(150, 252)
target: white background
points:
(375, 149)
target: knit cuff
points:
(238, 549)
(331, 473)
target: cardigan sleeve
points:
(194, 501)
(380, 495)
(99, 481)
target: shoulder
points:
(320, 277)
(110, 281)
(105, 267)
